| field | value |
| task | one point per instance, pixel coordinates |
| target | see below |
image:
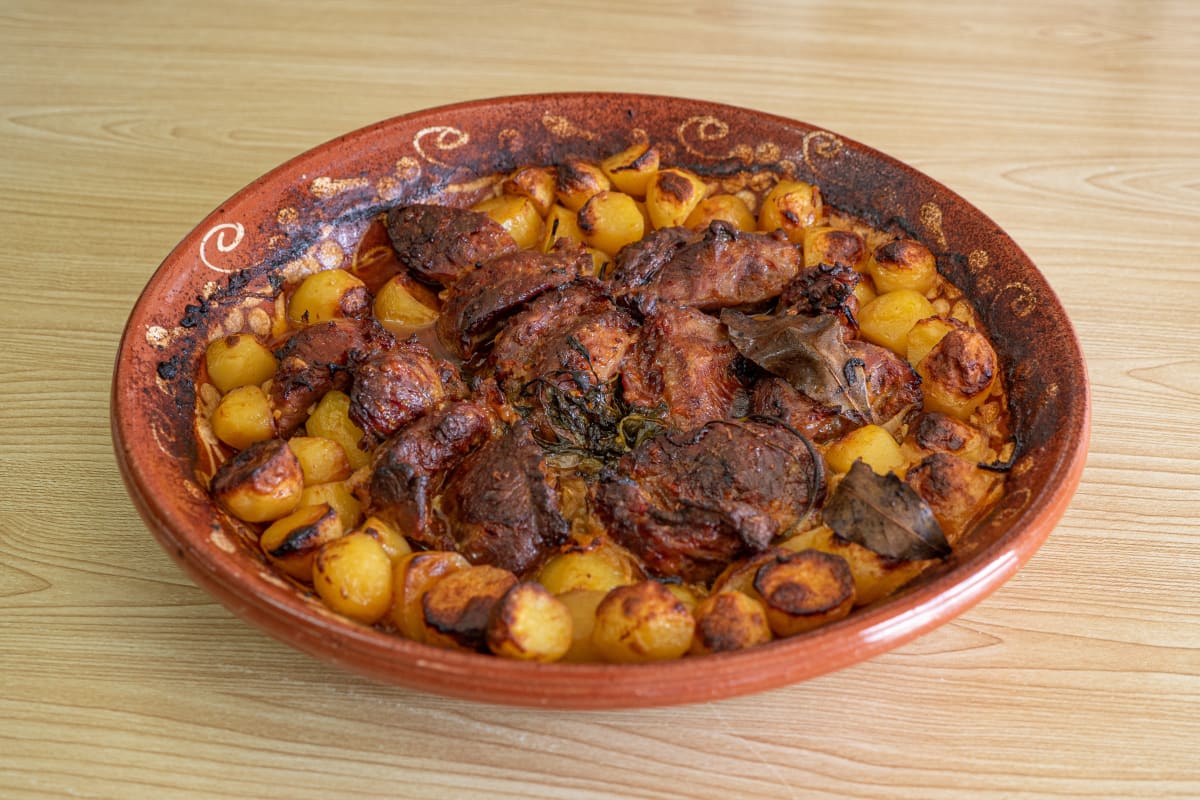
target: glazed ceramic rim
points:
(285, 614)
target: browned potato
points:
(959, 373)
(903, 264)
(727, 207)
(729, 621)
(238, 360)
(672, 195)
(561, 223)
(871, 444)
(610, 220)
(957, 491)
(924, 336)
(399, 309)
(875, 577)
(412, 576)
(832, 246)
(632, 168)
(577, 181)
(581, 604)
(338, 495)
(322, 460)
(888, 318)
(331, 419)
(329, 294)
(529, 624)
(457, 608)
(394, 544)
(261, 483)
(642, 622)
(291, 543)
(353, 575)
(934, 432)
(600, 564)
(791, 207)
(536, 183)
(739, 575)
(804, 590)
(243, 417)
(517, 214)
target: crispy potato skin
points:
(458, 607)
(729, 621)
(261, 483)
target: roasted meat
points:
(823, 288)
(688, 503)
(725, 267)
(684, 363)
(440, 243)
(893, 386)
(409, 469)
(319, 358)
(774, 397)
(501, 506)
(482, 299)
(394, 387)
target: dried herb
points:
(809, 352)
(885, 515)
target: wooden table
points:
(1076, 126)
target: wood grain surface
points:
(1075, 125)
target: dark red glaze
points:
(250, 239)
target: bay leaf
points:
(809, 352)
(885, 515)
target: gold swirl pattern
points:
(1024, 303)
(562, 128)
(510, 140)
(978, 260)
(1012, 505)
(821, 143)
(325, 187)
(225, 238)
(697, 133)
(931, 219)
(443, 138)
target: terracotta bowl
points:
(312, 211)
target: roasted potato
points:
(875, 577)
(517, 214)
(791, 206)
(924, 336)
(727, 207)
(582, 604)
(262, 483)
(322, 460)
(957, 491)
(934, 432)
(632, 168)
(804, 590)
(833, 246)
(888, 318)
(339, 497)
(457, 608)
(672, 195)
(530, 624)
(609, 221)
(903, 264)
(561, 223)
(326, 295)
(238, 360)
(599, 564)
(399, 310)
(870, 444)
(243, 417)
(331, 419)
(577, 181)
(959, 373)
(412, 576)
(536, 183)
(393, 543)
(291, 543)
(642, 622)
(353, 575)
(729, 621)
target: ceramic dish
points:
(313, 208)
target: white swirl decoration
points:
(443, 138)
(225, 238)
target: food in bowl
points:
(612, 410)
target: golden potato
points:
(238, 360)
(331, 420)
(791, 206)
(642, 622)
(600, 564)
(536, 183)
(903, 264)
(729, 621)
(326, 295)
(804, 590)
(561, 223)
(875, 577)
(399, 310)
(727, 207)
(393, 543)
(832, 246)
(924, 336)
(957, 491)
(934, 432)
(686, 593)
(530, 624)
(412, 576)
(609, 221)
(581, 604)
(353, 575)
(338, 495)
(517, 214)
(577, 181)
(672, 195)
(888, 318)
(291, 543)
(738, 576)
(261, 483)
(243, 417)
(457, 607)
(322, 460)
(870, 443)
(631, 169)
(959, 373)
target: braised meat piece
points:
(480, 301)
(823, 288)
(893, 386)
(409, 470)
(684, 362)
(440, 243)
(774, 397)
(394, 387)
(688, 503)
(500, 505)
(725, 267)
(639, 263)
(317, 359)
